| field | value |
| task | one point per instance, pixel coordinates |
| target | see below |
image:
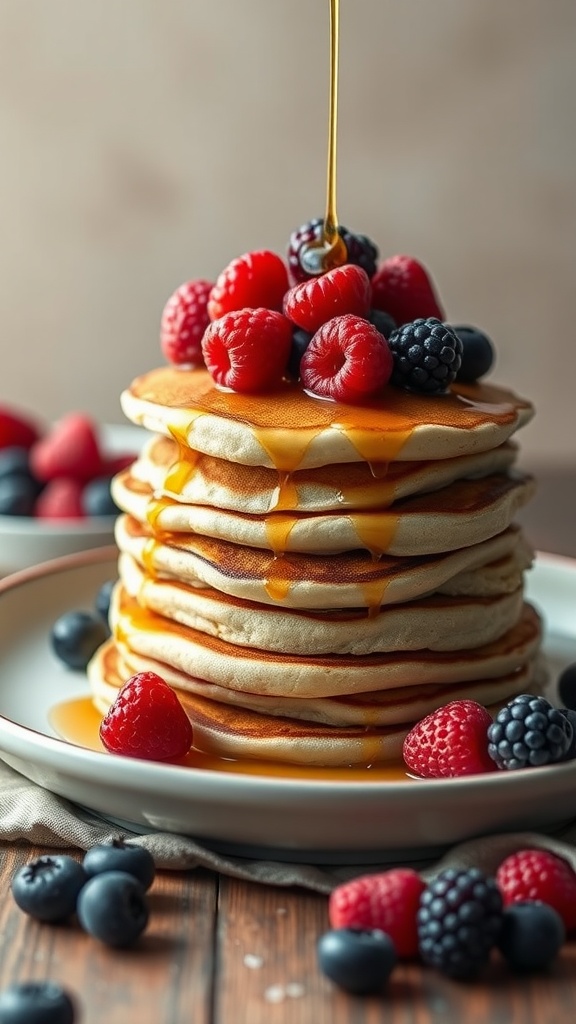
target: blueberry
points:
(112, 907)
(36, 1002)
(382, 321)
(477, 354)
(47, 887)
(97, 499)
(17, 495)
(14, 461)
(119, 856)
(532, 935)
(76, 636)
(567, 687)
(356, 960)
(300, 342)
(102, 602)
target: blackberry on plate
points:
(529, 732)
(360, 250)
(427, 355)
(459, 921)
(477, 353)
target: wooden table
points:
(220, 951)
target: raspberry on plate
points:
(539, 875)
(248, 350)
(347, 360)
(401, 287)
(70, 449)
(61, 499)
(147, 721)
(184, 320)
(342, 290)
(450, 741)
(387, 901)
(253, 280)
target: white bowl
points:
(25, 541)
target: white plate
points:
(26, 541)
(278, 817)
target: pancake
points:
(436, 622)
(310, 432)
(460, 515)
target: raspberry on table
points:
(534, 874)
(360, 250)
(459, 921)
(449, 742)
(184, 320)
(254, 280)
(147, 721)
(402, 287)
(342, 290)
(427, 356)
(387, 901)
(529, 732)
(347, 360)
(248, 350)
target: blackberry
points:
(360, 250)
(427, 355)
(529, 732)
(459, 921)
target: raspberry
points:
(60, 499)
(459, 921)
(252, 280)
(426, 356)
(339, 291)
(147, 721)
(347, 360)
(387, 901)
(450, 741)
(70, 449)
(360, 250)
(401, 287)
(539, 875)
(529, 732)
(16, 430)
(184, 320)
(248, 350)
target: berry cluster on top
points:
(344, 333)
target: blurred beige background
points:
(144, 142)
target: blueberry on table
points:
(97, 498)
(357, 960)
(36, 1002)
(76, 636)
(113, 908)
(102, 602)
(47, 887)
(532, 935)
(17, 495)
(120, 856)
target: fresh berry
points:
(571, 716)
(16, 430)
(70, 450)
(18, 496)
(347, 360)
(529, 732)
(360, 250)
(254, 280)
(60, 499)
(102, 601)
(248, 350)
(36, 1002)
(450, 741)
(339, 291)
(120, 856)
(477, 353)
(76, 636)
(401, 287)
(147, 721)
(387, 901)
(567, 686)
(15, 461)
(112, 464)
(113, 908)
(426, 356)
(97, 499)
(47, 887)
(358, 961)
(382, 321)
(532, 935)
(459, 921)
(300, 341)
(184, 320)
(539, 875)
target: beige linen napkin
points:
(30, 813)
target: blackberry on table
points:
(427, 355)
(529, 732)
(459, 921)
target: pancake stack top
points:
(315, 576)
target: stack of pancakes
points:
(314, 577)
